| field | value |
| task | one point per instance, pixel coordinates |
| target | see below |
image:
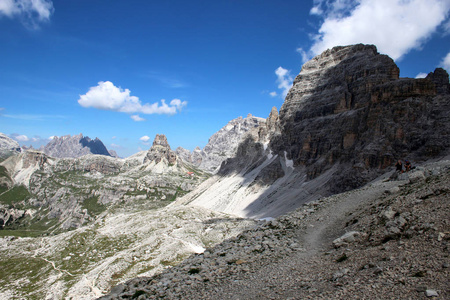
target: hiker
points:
(407, 166)
(399, 166)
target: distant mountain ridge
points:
(74, 146)
(222, 144)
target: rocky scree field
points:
(388, 239)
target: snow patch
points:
(289, 162)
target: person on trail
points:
(399, 166)
(407, 166)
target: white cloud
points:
(116, 146)
(30, 12)
(421, 75)
(21, 138)
(273, 94)
(304, 54)
(145, 138)
(394, 26)
(284, 80)
(107, 96)
(137, 118)
(445, 63)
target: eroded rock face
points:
(224, 143)
(75, 146)
(161, 150)
(348, 106)
(7, 143)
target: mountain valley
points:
(75, 223)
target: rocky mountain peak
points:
(441, 80)
(74, 146)
(224, 143)
(161, 140)
(7, 143)
(349, 107)
(160, 150)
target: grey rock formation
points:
(7, 143)
(161, 150)
(347, 119)
(8, 146)
(349, 107)
(75, 146)
(184, 154)
(224, 143)
(113, 153)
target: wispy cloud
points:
(394, 26)
(284, 80)
(137, 118)
(166, 80)
(445, 63)
(116, 146)
(305, 55)
(421, 75)
(31, 117)
(107, 96)
(30, 12)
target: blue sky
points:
(124, 71)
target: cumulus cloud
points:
(394, 26)
(137, 118)
(30, 12)
(284, 80)
(273, 94)
(445, 63)
(145, 138)
(107, 96)
(21, 138)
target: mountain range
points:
(97, 220)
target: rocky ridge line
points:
(223, 144)
(74, 146)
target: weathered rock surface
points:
(7, 143)
(71, 192)
(160, 150)
(345, 121)
(349, 107)
(75, 146)
(8, 146)
(223, 144)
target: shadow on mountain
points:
(347, 119)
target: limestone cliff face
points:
(74, 146)
(348, 106)
(345, 121)
(224, 143)
(160, 150)
(8, 146)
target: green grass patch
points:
(14, 195)
(92, 205)
(4, 172)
